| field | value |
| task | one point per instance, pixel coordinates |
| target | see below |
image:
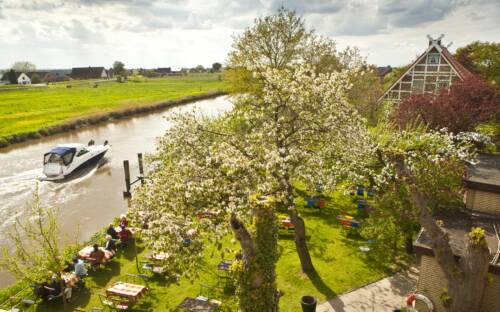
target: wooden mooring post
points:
(128, 182)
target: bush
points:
(36, 79)
(465, 105)
(137, 78)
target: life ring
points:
(413, 297)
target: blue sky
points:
(184, 33)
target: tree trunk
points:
(257, 279)
(300, 232)
(300, 241)
(467, 277)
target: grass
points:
(31, 109)
(339, 264)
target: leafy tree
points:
(199, 69)
(35, 78)
(300, 127)
(12, 76)
(411, 158)
(279, 42)
(467, 104)
(482, 58)
(364, 95)
(23, 67)
(216, 67)
(119, 69)
(37, 253)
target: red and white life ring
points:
(413, 297)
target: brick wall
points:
(483, 201)
(431, 283)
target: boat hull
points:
(89, 162)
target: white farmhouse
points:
(23, 79)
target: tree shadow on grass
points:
(102, 276)
(320, 285)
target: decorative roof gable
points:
(433, 70)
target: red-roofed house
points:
(435, 69)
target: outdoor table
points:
(133, 292)
(85, 253)
(70, 278)
(160, 256)
(224, 265)
(287, 223)
(198, 305)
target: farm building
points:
(56, 75)
(89, 73)
(23, 79)
(164, 71)
(482, 203)
(433, 70)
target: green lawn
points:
(339, 263)
(31, 109)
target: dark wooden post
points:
(126, 168)
(141, 168)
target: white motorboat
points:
(65, 159)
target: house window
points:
(433, 58)
(418, 85)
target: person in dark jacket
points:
(112, 232)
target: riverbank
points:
(32, 114)
(341, 266)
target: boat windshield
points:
(60, 155)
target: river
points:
(93, 199)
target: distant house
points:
(56, 75)
(23, 79)
(89, 73)
(382, 71)
(433, 70)
(164, 71)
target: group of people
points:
(73, 274)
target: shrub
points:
(465, 105)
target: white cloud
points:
(177, 33)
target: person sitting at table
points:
(97, 257)
(111, 231)
(55, 290)
(79, 266)
(125, 236)
(110, 245)
(41, 290)
(123, 221)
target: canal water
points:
(93, 199)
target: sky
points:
(185, 33)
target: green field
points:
(31, 109)
(339, 263)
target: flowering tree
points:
(300, 127)
(280, 43)
(467, 104)
(412, 158)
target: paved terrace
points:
(383, 295)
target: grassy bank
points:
(29, 110)
(339, 263)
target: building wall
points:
(482, 201)
(431, 283)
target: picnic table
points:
(198, 305)
(287, 223)
(132, 292)
(70, 278)
(158, 256)
(85, 253)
